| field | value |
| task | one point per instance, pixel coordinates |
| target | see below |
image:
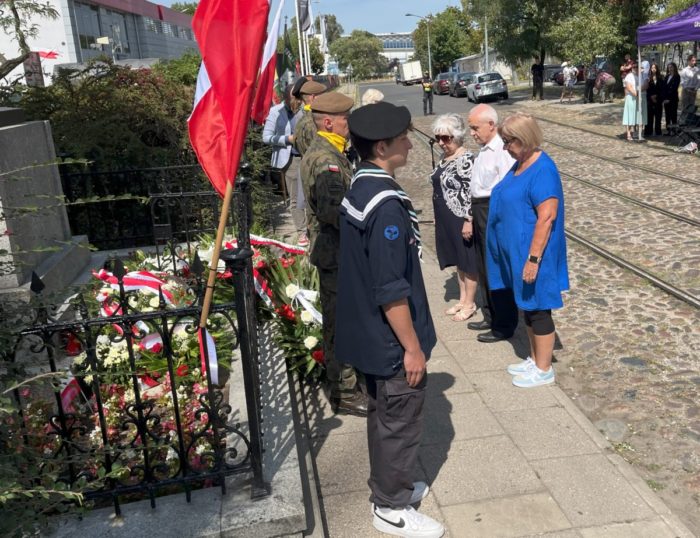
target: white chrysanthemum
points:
(154, 302)
(291, 290)
(310, 342)
(80, 358)
(306, 316)
(201, 449)
(171, 455)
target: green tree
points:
(452, 35)
(361, 50)
(674, 6)
(185, 7)
(18, 21)
(333, 28)
(183, 70)
(317, 60)
(602, 34)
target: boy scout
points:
(383, 313)
(325, 175)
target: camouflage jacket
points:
(304, 133)
(325, 176)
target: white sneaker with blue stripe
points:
(521, 367)
(534, 377)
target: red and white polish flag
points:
(266, 80)
(230, 35)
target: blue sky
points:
(376, 16)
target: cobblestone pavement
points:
(630, 351)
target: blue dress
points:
(511, 225)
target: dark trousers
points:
(671, 109)
(427, 102)
(537, 87)
(588, 92)
(500, 310)
(341, 377)
(394, 431)
(654, 113)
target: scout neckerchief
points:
(307, 108)
(406, 201)
(336, 140)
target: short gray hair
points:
(372, 96)
(450, 124)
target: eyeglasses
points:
(508, 141)
(444, 138)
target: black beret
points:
(298, 83)
(379, 121)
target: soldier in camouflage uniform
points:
(326, 174)
(305, 130)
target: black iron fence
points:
(130, 407)
(128, 208)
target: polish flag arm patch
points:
(333, 168)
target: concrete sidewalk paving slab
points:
(342, 462)
(477, 469)
(499, 394)
(462, 416)
(548, 432)
(591, 491)
(445, 377)
(507, 517)
(474, 361)
(655, 528)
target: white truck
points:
(409, 73)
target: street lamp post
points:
(427, 19)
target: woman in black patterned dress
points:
(453, 215)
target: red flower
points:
(261, 264)
(287, 261)
(287, 312)
(182, 370)
(318, 356)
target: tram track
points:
(660, 283)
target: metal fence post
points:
(239, 262)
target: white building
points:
(129, 29)
(397, 46)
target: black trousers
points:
(537, 87)
(427, 102)
(588, 92)
(394, 431)
(654, 113)
(671, 109)
(500, 312)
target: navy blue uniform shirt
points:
(378, 265)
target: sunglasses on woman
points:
(443, 138)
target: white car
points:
(486, 85)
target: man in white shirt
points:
(690, 80)
(492, 163)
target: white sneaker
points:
(521, 367)
(420, 492)
(407, 523)
(534, 377)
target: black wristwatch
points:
(534, 259)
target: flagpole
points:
(302, 65)
(223, 218)
(308, 53)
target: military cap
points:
(332, 103)
(311, 87)
(379, 121)
(296, 88)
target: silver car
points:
(485, 85)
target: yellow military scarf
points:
(307, 108)
(336, 140)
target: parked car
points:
(458, 84)
(558, 77)
(441, 84)
(484, 85)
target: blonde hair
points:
(372, 96)
(522, 127)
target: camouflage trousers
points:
(342, 377)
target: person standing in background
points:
(591, 74)
(537, 72)
(655, 93)
(492, 163)
(670, 97)
(690, 80)
(427, 86)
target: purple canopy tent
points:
(683, 26)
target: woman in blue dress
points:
(526, 247)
